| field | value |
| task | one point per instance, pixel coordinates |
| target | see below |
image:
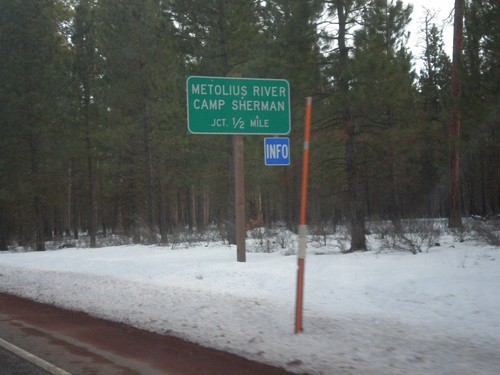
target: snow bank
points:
(364, 313)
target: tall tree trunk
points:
(356, 211)
(206, 208)
(37, 202)
(67, 224)
(102, 209)
(355, 199)
(162, 211)
(91, 194)
(74, 212)
(259, 211)
(267, 210)
(90, 166)
(190, 208)
(454, 215)
(146, 122)
(231, 214)
(224, 57)
(84, 69)
(118, 224)
(396, 214)
(194, 207)
(4, 231)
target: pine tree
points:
(372, 88)
(435, 91)
(291, 51)
(480, 97)
(87, 75)
(383, 91)
(32, 81)
(348, 14)
(454, 212)
(221, 39)
(141, 76)
(434, 77)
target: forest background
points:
(93, 133)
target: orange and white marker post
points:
(302, 225)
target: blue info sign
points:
(277, 151)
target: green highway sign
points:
(220, 105)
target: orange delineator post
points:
(302, 225)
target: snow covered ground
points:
(364, 313)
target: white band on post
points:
(302, 241)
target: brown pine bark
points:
(454, 215)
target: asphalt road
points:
(83, 345)
(11, 364)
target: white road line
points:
(33, 358)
